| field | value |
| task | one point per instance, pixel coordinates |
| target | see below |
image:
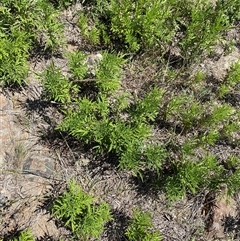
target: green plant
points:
(13, 58)
(141, 228)
(37, 18)
(199, 38)
(184, 108)
(138, 157)
(231, 9)
(62, 3)
(142, 24)
(25, 235)
(233, 183)
(80, 213)
(78, 65)
(148, 108)
(90, 122)
(56, 86)
(199, 77)
(220, 114)
(22, 24)
(137, 25)
(89, 30)
(191, 176)
(19, 15)
(106, 69)
(231, 128)
(108, 72)
(95, 122)
(231, 81)
(49, 28)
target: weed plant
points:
(110, 124)
(78, 65)
(38, 18)
(231, 81)
(141, 228)
(94, 122)
(61, 4)
(14, 58)
(99, 121)
(134, 24)
(25, 235)
(79, 211)
(145, 25)
(191, 176)
(56, 86)
(199, 37)
(23, 24)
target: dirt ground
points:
(36, 162)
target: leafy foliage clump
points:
(156, 25)
(80, 213)
(231, 81)
(38, 18)
(14, 52)
(141, 228)
(103, 69)
(99, 121)
(92, 123)
(56, 86)
(191, 176)
(25, 235)
(23, 24)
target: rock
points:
(223, 208)
(26, 168)
(218, 69)
(5, 121)
(5, 104)
(92, 62)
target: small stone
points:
(5, 104)
(93, 59)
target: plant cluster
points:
(204, 124)
(100, 121)
(23, 24)
(61, 4)
(86, 219)
(156, 25)
(80, 212)
(109, 123)
(56, 86)
(98, 112)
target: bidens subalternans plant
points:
(141, 228)
(80, 212)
